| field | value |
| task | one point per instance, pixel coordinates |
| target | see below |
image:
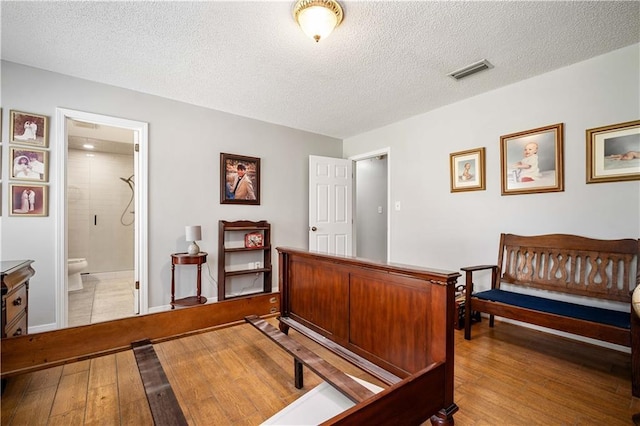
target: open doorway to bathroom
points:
(103, 209)
(100, 222)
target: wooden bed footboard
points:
(398, 318)
(409, 402)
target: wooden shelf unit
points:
(242, 227)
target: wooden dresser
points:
(15, 296)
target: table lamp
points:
(193, 234)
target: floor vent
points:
(471, 69)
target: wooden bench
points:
(587, 269)
(393, 321)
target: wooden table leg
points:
(199, 281)
(173, 285)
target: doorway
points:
(102, 168)
(371, 230)
(348, 221)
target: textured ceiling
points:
(387, 60)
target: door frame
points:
(383, 151)
(141, 136)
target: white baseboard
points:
(42, 328)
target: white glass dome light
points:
(317, 18)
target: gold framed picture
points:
(28, 200)
(531, 161)
(26, 128)
(613, 152)
(467, 170)
(29, 164)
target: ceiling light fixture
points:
(88, 146)
(317, 18)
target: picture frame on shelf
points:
(26, 128)
(467, 169)
(239, 179)
(613, 152)
(29, 164)
(253, 240)
(28, 200)
(532, 161)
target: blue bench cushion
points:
(567, 309)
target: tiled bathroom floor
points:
(105, 296)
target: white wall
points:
(437, 228)
(434, 228)
(185, 142)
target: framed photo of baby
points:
(28, 200)
(239, 179)
(29, 129)
(29, 164)
(467, 170)
(531, 161)
(613, 153)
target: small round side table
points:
(187, 259)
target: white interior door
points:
(330, 205)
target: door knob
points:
(313, 228)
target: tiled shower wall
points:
(97, 199)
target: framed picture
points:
(467, 170)
(29, 164)
(613, 152)
(28, 200)
(254, 239)
(531, 161)
(29, 129)
(239, 179)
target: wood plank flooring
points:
(508, 375)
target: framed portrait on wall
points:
(29, 129)
(531, 161)
(613, 153)
(29, 164)
(467, 170)
(28, 200)
(239, 179)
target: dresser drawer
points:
(16, 303)
(18, 327)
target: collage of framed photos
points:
(531, 161)
(28, 164)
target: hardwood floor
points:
(508, 375)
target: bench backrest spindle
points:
(581, 266)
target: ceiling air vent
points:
(471, 69)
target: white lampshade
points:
(193, 233)
(318, 18)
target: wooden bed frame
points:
(394, 321)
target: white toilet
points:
(76, 266)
